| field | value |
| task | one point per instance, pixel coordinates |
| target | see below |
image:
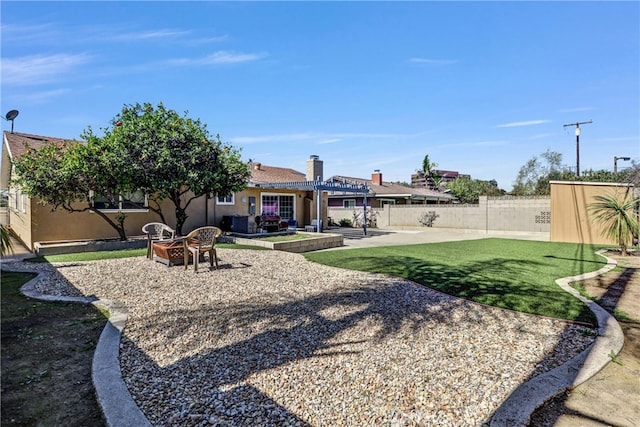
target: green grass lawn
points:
(514, 274)
(47, 351)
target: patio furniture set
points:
(165, 247)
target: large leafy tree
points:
(616, 213)
(468, 190)
(171, 156)
(62, 175)
(534, 176)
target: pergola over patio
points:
(319, 187)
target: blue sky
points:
(481, 87)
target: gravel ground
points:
(271, 339)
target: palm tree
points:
(618, 218)
(5, 241)
(428, 169)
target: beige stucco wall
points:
(38, 223)
(305, 205)
(5, 168)
(571, 221)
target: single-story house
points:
(271, 190)
(382, 193)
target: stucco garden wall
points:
(572, 221)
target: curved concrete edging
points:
(116, 403)
(517, 409)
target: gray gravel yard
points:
(271, 339)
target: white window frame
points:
(122, 200)
(349, 203)
(24, 203)
(387, 202)
(293, 195)
(226, 200)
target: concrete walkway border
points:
(118, 407)
(516, 411)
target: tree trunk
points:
(119, 227)
(181, 211)
(181, 218)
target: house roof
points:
(17, 142)
(262, 174)
(392, 189)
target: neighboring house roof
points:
(262, 174)
(391, 189)
(17, 142)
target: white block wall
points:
(509, 214)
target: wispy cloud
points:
(575, 110)
(38, 69)
(29, 34)
(40, 97)
(218, 58)
(330, 141)
(318, 138)
(519, 124)
(540, 136)
(497, 143)
(150, 35)
(207, 40)
(427, 61)
(271, 138)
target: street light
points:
(615, 163)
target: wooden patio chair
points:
(155, 232)
(199, 241)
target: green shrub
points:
(345, 222)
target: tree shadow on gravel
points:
(207, 385)
(281, 333)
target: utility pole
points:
(577, 125)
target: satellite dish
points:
(11, 115)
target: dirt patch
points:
(47, 349)
(611, 397)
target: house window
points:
(387, 202)
(130, 201)
(279, 204)
(226, 200)
(24, 203)
(349, 203)
(16, 201)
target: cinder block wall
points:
(509, 214)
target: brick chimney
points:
(376, 177)
(314, 168)
(257, 165)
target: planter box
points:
(315, 242)
(70, 247)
